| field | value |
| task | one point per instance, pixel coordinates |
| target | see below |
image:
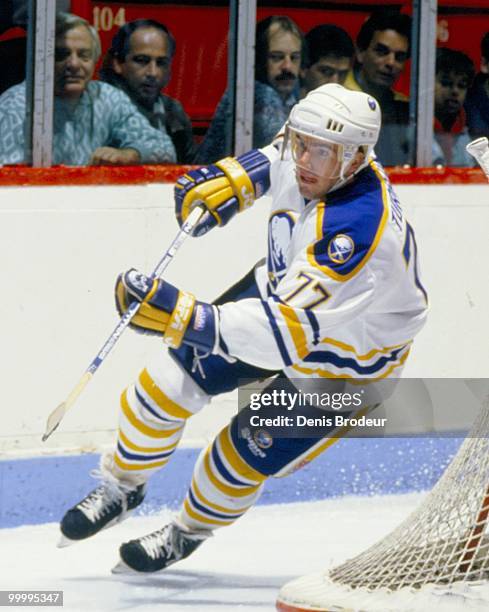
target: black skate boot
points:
(160, 549)
(110, 503)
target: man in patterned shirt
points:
(94, 123)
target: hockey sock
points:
(223, 487)
(150, 427)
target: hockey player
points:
(338, 298)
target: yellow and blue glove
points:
(166, 311)
(225, 188)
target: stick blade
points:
(54, 420)
(477, 146)
(479, 149)
(57, 415)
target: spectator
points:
(139, 62)
(279, 53)
(383, 46)
(13, 14)
(93, 121)
(454, 74)
(477, 102)
(330, 54)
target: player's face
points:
(283, 60)
(146, 68)
(317, 165)
(327, 69)
(384, 59)
(450, 92)
(74, 63)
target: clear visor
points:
(315, 155)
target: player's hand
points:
(109, 156)
(210, 187)
(225, 188)
(165, 311)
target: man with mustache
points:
(454, 74)
(279, 53)
(382, 49)
(94, 123)
(139, 62)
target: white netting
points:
(441, 548)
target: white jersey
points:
(341, 292)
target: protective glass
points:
(315, 155)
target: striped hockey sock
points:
(223, 487)
(150, 427)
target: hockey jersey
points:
(341, 295)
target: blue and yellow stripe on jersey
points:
(282, 347)
(358, 211)
(406, 252)
(343, 361)
(293, 337)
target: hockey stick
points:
(479, 149)
(59, 412)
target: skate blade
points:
(123, 568)
(63, 542)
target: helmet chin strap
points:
(347, 153)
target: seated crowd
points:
(123, 117)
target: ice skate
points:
(158, 550)
(110, 503)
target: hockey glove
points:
(225, 188)
(166, 311)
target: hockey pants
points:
(230, 473)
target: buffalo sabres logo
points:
(280, 230)
(139, 281)
(263, 438)
(340, 248)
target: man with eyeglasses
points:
(382, 49)
(279, 53)
(329, 57)
(139, 62)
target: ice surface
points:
(241, 568)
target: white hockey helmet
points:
(334, 114)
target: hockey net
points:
(437, 559)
